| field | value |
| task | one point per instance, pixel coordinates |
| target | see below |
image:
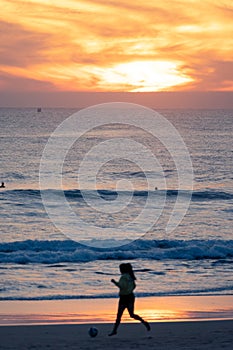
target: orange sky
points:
(116, 45)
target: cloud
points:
(212, 75)
(20, 47)
(9, 82)
(68, 42)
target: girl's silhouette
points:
(126, 285)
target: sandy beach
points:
(191, 322)
(214, 335)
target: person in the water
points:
(2, 185)
(126, 285)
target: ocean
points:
(47, 253)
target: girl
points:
(126, 285)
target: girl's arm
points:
(115, 282)
(122, 282)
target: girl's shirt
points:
(126, 284)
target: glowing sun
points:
(141, 76)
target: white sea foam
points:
(51, 252)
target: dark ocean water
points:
(39, 261)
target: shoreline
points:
(87, 311)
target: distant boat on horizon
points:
(39, 109)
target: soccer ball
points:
(93, 332)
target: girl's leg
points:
(130, 309)
(121, 308)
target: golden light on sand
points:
(158, 315)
